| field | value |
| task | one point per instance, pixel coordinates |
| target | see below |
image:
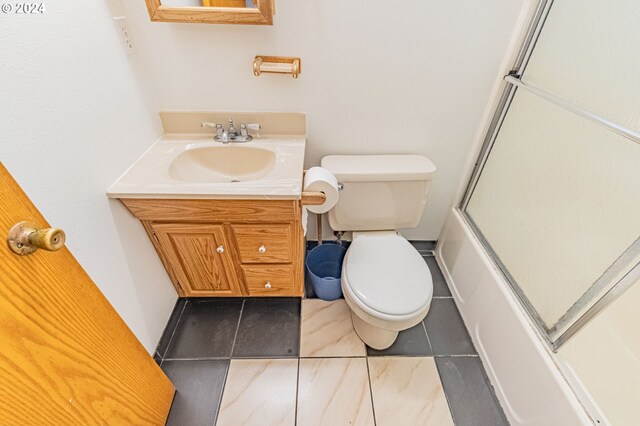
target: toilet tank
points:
(381, 192)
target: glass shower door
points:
(556, 196)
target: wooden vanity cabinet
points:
(227, 248)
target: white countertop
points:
(150, 176)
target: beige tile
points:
(327, 330)
(407, 391)
(273, 123)
(334, 391)
(259, 392)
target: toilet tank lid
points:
(359, 168)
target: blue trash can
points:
(324, 267)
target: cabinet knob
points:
(220, 249)
(268, 284)
(262, 249)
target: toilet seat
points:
(386, 276)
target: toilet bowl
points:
(385, 281)
(387, 285)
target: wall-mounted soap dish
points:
(276, 65)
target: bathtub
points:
(524, 372)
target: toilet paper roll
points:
(305, 219)
(318, 179)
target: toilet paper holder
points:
(277, 65)
(311, 198)
(318, 198)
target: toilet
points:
(385, 281)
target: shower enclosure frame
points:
(574, 319)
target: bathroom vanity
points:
(227, 247)
(225, 218)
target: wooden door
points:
(199, 257)
(66, 357)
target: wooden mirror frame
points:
(262, 15)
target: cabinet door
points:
(200, 258)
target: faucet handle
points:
(218, 127)
(256, 127)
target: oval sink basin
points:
(219, 164)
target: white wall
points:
(377, 76)
(73, 117)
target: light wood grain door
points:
(200, 258)
(66, 357)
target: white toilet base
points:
(376, 332)
(375, 337)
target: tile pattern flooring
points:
(285, 361)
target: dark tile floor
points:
(411, 342)
(199, 385)
(268, 328)
(203, 335)
(206, 329)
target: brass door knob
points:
(24, 238)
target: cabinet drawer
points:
(264, 243)
(269, 280)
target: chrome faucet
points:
(231, 134)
